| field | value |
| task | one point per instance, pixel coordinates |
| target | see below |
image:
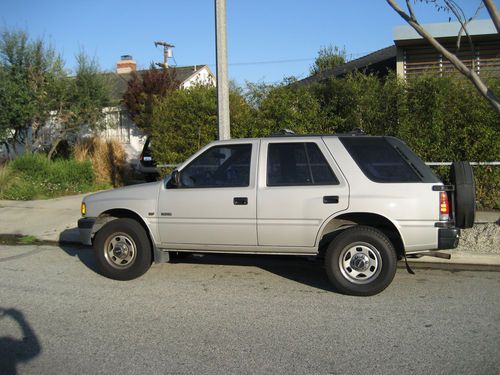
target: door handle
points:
(240, 201)
(330, 199)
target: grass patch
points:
(33, 176)
(18, 239)
(5, 179)
(27, 240)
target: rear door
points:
(300, 186)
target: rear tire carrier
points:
(464, 195)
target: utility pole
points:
(221, 70)
(167, 51)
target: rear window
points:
(384, 161)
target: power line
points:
(268, 62)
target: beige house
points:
(411, 55)
(415, 56)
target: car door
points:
(300, 186)
(215, 203)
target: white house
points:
(119, 124)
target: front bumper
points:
(448, 238)
(85, 225)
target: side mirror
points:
(175, 180)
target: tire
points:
(122, 249)
(361, 261)
(465, 194)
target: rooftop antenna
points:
(167, 52)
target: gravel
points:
(481, 239)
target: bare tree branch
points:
(492, 10)
(462, 68)
(410, 9)
(460, 16)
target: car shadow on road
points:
(84, 253)
(304, 270)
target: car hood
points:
(137, 198)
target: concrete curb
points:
(460, 258)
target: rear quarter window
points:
(386, 160)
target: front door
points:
(215, 203)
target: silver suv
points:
(360, 202)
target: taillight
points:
(444, 206)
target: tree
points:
(81, 100)
(452, 6)
(142, 91)
(36, 92)
(328, 57)
(30, 72)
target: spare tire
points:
(465, 194)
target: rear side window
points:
(290, 164)
(381, 161)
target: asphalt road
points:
(238, 314)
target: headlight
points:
(83, 209)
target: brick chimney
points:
(126, 65)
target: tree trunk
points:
(471, 75)
(55, 144)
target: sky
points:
(267, 40)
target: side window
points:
(291, 164)
(219, 166)
(380, 161)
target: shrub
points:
(108, 159)
(33, 176)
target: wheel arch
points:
(336, 225)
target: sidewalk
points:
(55, 220)
(52, 220)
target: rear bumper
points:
(448, 238)
(85, 225)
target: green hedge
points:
(441, 118)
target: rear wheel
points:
(361, 261)
(122, 249)
(465, 194)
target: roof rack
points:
(291, 133)
(283, 133)
(356, 131)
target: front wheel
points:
(361, 261)
(122, 249)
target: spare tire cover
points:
(465, 194)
